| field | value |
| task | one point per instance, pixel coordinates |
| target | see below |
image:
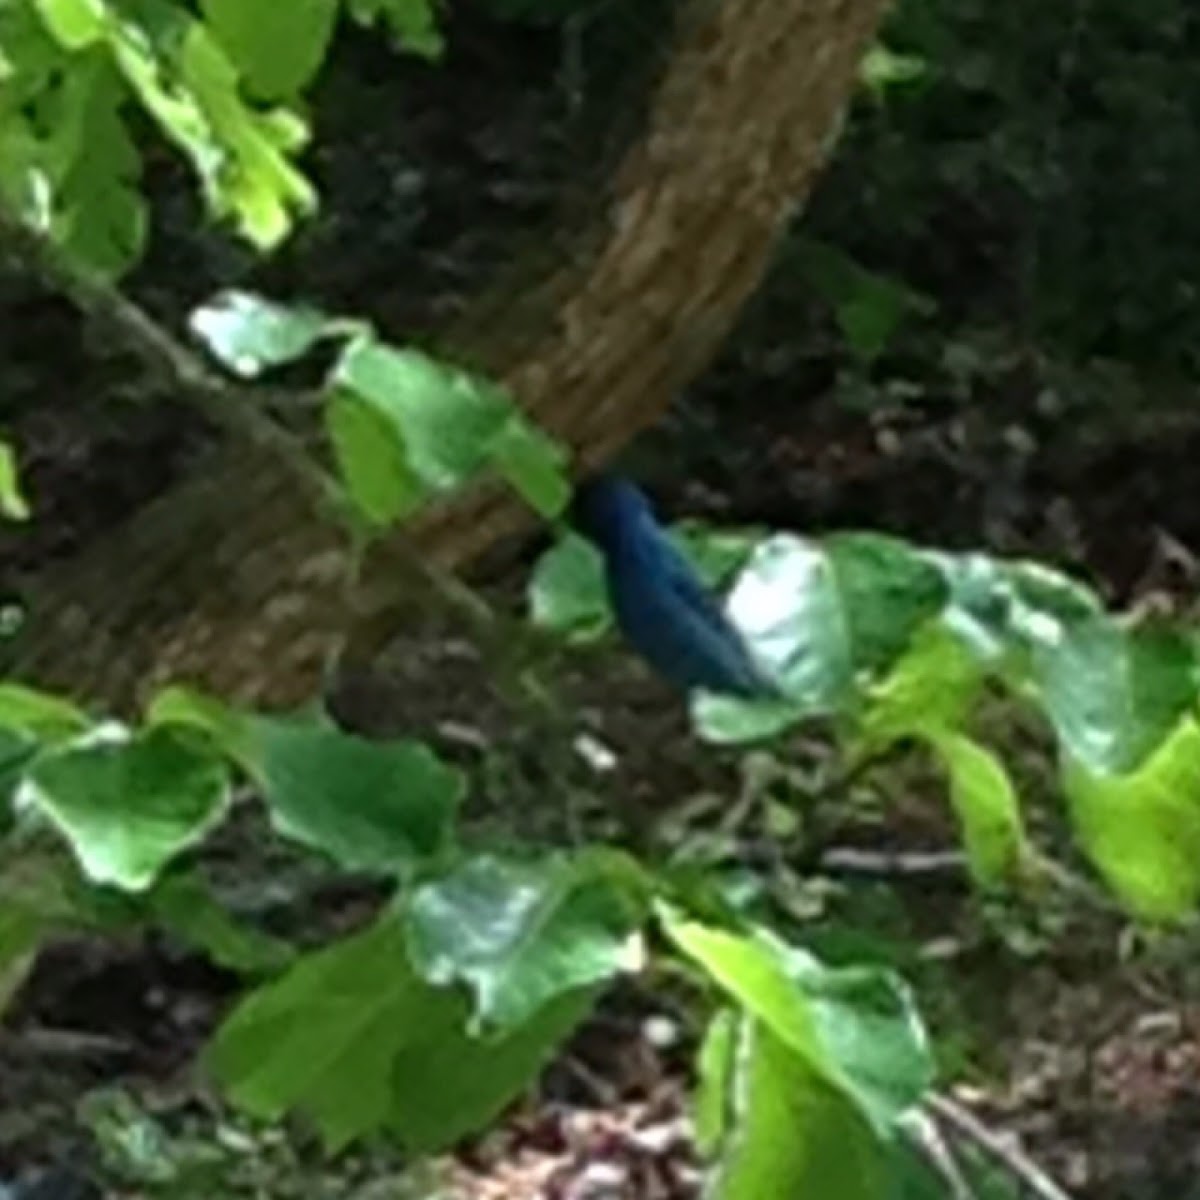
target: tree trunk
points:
(234, 582)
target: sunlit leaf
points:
(791, 1133)
(250, 334)
(353, 1037)
(986, 805)
(74, 23)
(931, 687)
(128, 804)
(1115, 694)
(39, 714)
(446, 420)
(855, 1028)
(13, 504)
(567, 592)
(371, 459)
(520, 934)
(825, 616)
(533, 463)
(1142, 830)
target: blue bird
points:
(661, 606)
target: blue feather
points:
(661, 606)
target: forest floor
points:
(1062, 1028)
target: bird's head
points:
(604, 505)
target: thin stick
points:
(968, 1126)
(924, 1133)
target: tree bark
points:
(233, 581)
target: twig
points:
(1021, 1166)
(63, 1043)
(851, 860)
(924, 1133)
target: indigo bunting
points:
(661, 606)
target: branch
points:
(967, 1126)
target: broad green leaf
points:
(520, 934)
(989, 814)
(824, 618)
(126, 804)
(932, 687)
(353, 1037)
(250, 334)
(855, 1028)
(447, 420)
(371, 460)
(278, 47)
(791, 1134)
(533, 463)
(1142, 830)
(567, 592)
(999, 607)
(39, 714)
(412, 23)
(185, 905)
(372, 806)
(1114, 694)
(13, 504)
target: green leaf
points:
(355, 1038)
(75, 24)
(791, 1134)
(412, 23)
(986, 805)
(39, 714)
(371, 459)
(372, 806)
(520, 934)
(532, 462)
(715, 1067)
(185, 905)
(1142, 830)
(931, 688)
(869, 307)
(567, 592)
(229, 729)
(250, 334)
(824, 616)
(13, 504)
(99, 215)
(21, 932)
(278, 47)
(447, 421)
(882, 68)
(241, 154)
(855, 1028)
(1114, 694)
(128, 804)
(999, 607)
